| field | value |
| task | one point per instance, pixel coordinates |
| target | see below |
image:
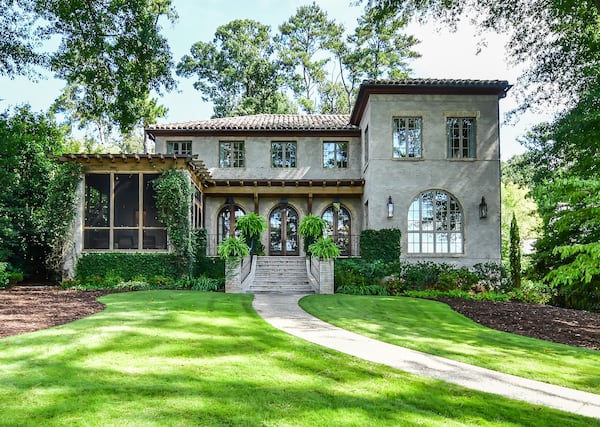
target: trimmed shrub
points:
(124, 266)
(4, 276)
(381, 244)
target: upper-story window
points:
(232, 154)
(179, 147)
(406, 137)
(335, 154)
(366, 144)
(461, 137)
(283, 154)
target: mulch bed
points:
(26, 310)
(561, 325)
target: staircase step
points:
(284, 275)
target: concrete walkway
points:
(283, 312)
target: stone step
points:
(280, 275)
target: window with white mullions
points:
(406, 137)
(461, 138)
(435, 224)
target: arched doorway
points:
(283, 231)
(338, 227)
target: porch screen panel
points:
(127, 200)
(97, 209)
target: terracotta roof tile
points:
(436, 82)
(266, 122)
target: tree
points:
(303, 44)
(377, 49)
(515, 253)
(380, 49)
(565, 184)
(558, 38)
(38, 195)
(110, 54)
(237, 71)
(17, 41)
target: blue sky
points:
(444, 55)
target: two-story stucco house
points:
(420, 155)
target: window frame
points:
(286, 157)
(406, 128)
(336, 152)
(436, 230)
(236, 155)
(465, 142)
(177, 147)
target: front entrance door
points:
(283, 231)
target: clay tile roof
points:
(462, 83)
(266, 122)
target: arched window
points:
(338, 226)
(226, 222)
(435, 224)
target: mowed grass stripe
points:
(173, 358)
(433, 327)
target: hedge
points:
(127, 266)
(381, 244)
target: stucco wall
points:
(258, 157)
(467, 180)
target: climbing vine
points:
(173, 200)
(61, 207)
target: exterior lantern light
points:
(483, 211)
(229, 201)
(390, 208)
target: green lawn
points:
(434, 328)
(173, 358)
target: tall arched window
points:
(338, 227)
(435, 224)
(226, 222)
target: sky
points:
(445, 54)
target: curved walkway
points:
(283, 312)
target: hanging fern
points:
(173, 200)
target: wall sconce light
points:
(229, 201)
(390, 208)
(483, 209)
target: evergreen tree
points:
(515, 253)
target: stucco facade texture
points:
(436, 194)
(468, 180)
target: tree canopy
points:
(110, 53)
(245, 70)
(37, 197)
(556, 40)
(237, 71)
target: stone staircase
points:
(281, 275)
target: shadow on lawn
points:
(170, 358)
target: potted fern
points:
(324, 249)
(311, 228)
(251, 227)
(231, 250)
